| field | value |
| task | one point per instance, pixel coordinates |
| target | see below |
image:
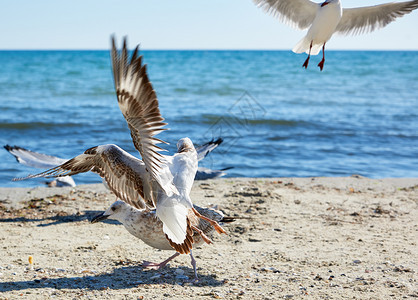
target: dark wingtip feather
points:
(218, 141)
(228, 219)
(226, 169)
(125, 42)
(113, 40)
(10, 148)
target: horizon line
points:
(200, 49)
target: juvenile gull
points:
(157, 181)
(144, 225)
(44, 161)
(326, 18)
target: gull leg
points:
(215, 224)
(305, 64)
(156, 266)
(193, 262)
(321, 63)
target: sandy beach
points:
(294, 238)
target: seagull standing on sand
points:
(157, 181)
(144, 225)
(326, 18)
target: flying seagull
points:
(144, 225)
(158, 181)
(202, 151)
(326, 18)
(206, 148)
(44, 161)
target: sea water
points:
(358, 116)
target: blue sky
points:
(174, 24)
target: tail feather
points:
(174, 218)
(304, 44)
(187, 246)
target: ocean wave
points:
(33, 125)
(232, 119)
(229, 120)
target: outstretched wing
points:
(139, 105)
(206, 173)
(124, 173)
(297, 13)
(34, 159)
(366, 19)
(205, 149)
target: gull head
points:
(184, 145)
(116, 211)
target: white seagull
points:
(157, 181)
(42, 161)
(326, 18)
(202, 151)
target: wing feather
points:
(124, 173)
(366, 19)
(297, 13)
(205, 149)
(139, 105)
(34, 159)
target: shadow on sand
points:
(59, 219)
(121, 278)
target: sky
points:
(175, 24)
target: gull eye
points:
(113, 208)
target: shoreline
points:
(313, 238)
(12, 196)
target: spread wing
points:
(207, 148)
(139, 105)
(124, 173)
(297, 13)
(205, 173)
(34, 159)
(366, 19)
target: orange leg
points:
(305, 64)
(215, 224)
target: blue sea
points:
(358, 116)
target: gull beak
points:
(180, 149)
(99, 217)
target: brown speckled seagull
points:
(144, 225)
(157, 182)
